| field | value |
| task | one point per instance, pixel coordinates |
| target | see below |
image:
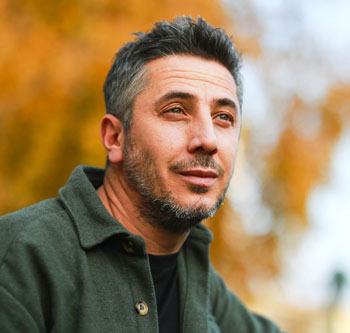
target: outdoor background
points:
(282, 238)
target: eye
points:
(224, 117)
(175, 110)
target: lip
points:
(200, 177)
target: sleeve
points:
(230, 313)
(14, 317)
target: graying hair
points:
(183, 36)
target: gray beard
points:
(160, 210)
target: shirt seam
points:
(20, 303)
(3, 259)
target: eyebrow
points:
(226, 102)
(173, 95)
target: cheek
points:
(229, 154)
(228, 142)
(162, 151)
(167, 140)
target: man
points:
(121, 249)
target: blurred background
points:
(282, 238)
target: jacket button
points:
(141, 308)
(128, 246)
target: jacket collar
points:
(93, 222)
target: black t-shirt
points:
(164, 274)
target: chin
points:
(198, 202)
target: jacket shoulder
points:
(231, 313)
(29, 223)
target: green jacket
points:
(66, 265)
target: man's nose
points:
(202, 135)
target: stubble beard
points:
(158, 206)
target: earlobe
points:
(112, 136)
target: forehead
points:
(190, 73)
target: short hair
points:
(183, 36)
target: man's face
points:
(180, 152)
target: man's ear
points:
(112, 136)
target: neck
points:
(116, 197)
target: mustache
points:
(199, 161)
